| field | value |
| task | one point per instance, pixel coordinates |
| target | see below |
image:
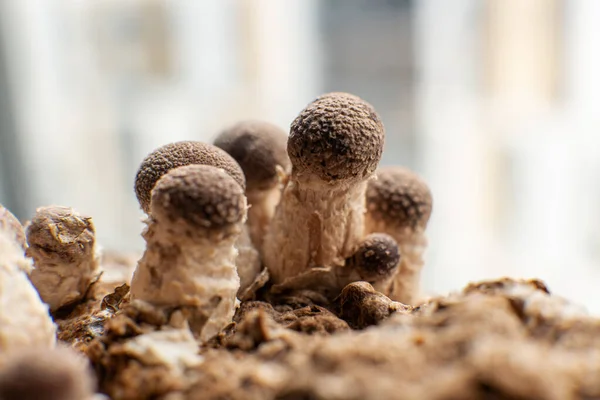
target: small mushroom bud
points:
(179, 154)
(43, 374)
(260, 150)
(334, 146)
(62, 246)
(196, 215)
(376, 260)
(399, 203)
(360, 305)
(9, 223)
(24, 318)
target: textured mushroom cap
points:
(258, 147)
(376, 256)
(198, 197)
(9, 223)
(336, 137)
(43, 374)
(179, 154)
(400, 198)
(62, 232)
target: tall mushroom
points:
(399, 203)
(196, 215)
(334, 146)
(260, 149)
(62, 245)
(24, 319)
(179, 154)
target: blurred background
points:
(494, 102)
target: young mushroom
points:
(10, 223)
(46, 374)
(196, 215)
(62, 245)
(179, 154)
(260, 149)
(399, 203)
(334, 146)
(376, 260)
(24, 318)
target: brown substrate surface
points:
(502, 339)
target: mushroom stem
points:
(322, 225)
(173, 274)
(248, 260)
(262, 208)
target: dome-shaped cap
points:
(336, 137)
(377, 256)
(198, 197)
(400, 198)
(258, 147)
(179, 154)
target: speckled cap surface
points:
(336, 137)
(258, 147)
(376, 256)
(198, 197)
(400, 198)
(179, 154)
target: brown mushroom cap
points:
(258, 147)
(9, 223)
(43, 374)
(60, 232)
(198, 198)
(377, 256)
(337, 137)
(179, 154)
(400, 198)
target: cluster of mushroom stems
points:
(308, 210)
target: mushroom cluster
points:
(258, 217)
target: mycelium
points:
(196, 215)
(334, 146)
(399, 203)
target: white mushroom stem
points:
(412, 243)
(248, 260)
(24, 319)
(60, 283)
(189, 272)
(315, 225)
(261, 212)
